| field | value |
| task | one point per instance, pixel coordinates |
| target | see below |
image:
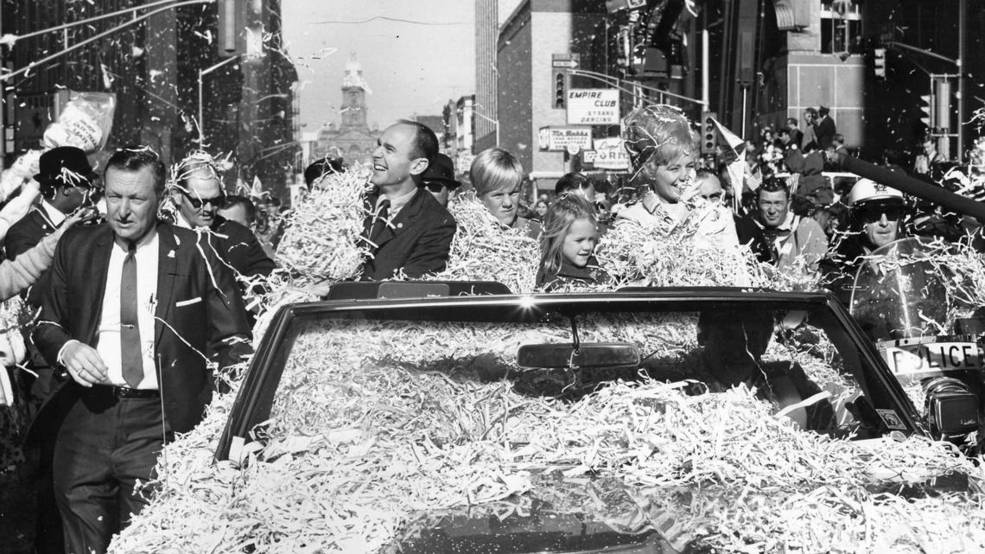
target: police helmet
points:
(867, 190)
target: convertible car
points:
(435, 418)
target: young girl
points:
(568, 243)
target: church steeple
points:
(354, 89)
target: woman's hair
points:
(557, 221)
(495, 169)
(659, 133)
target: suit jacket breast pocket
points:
(188, 302)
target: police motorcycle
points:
(900, 297)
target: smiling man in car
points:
(408, 230)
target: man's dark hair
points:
(320, 167)
(238, 200)
(811, 111)
(823, 110)
(839, 138)
(135, 158)
(704, 172)
(425, 141)
(571, 181)
(772, 184)
(792, 121)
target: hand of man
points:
(84, 364)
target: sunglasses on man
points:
(198, 202)
(873, 213)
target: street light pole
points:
(490, 120)
(201, 107)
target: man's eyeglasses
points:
(197, 202)
(871, 214)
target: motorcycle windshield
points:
(899, 293)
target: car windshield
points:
(417, 421)
(359, 365)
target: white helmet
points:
(867, 189)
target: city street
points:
(492, 276)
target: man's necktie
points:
(379, 222)
(133, 364)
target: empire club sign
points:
(593, 106)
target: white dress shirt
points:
(108, 334)
(54, 215)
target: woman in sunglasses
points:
(876, 214)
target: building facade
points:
(527, 89)
(459, 140)
(151, 59)
(351, 139)
(486, 76)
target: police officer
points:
(876, 212)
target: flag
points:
(733, 140)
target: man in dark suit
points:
(408, 230)
(824, 128)
(132, 308)
(198, 195)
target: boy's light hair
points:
(494, 169)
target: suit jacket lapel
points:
(404, 217)
(166, 266)
(97, 289)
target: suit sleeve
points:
(17, 241)
(431, 253)
(51, 332)
(245, 253)
(228, 327)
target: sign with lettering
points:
(560, 139)
(593, 106)
(926, 359)
(611, 154)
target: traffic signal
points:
(927, 109)
(560, 89)
(709, 133)
(879, 62)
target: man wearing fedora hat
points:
(66, 180)
(439, 178)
